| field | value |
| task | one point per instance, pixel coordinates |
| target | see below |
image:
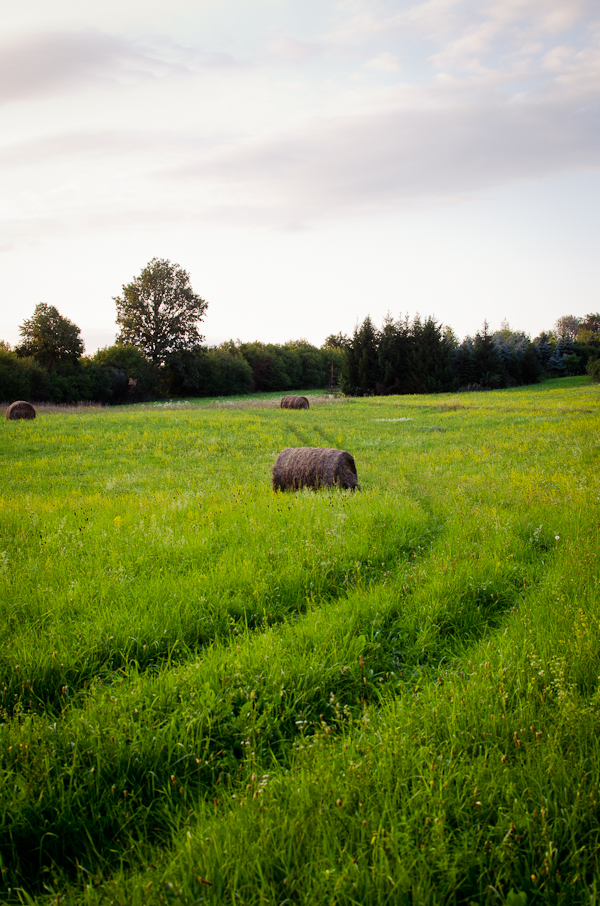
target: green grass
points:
(212, 693)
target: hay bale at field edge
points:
(313, 467)
(294, 402)
(20, 409)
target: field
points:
(213, 693)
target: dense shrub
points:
(294, 365)
(228, 373)
(269, 367)
(313, 364)
(134, 377)
(22, 378)
(113, 375)
(235, 368)
(208, 372)
(16, 376)
(593, 369)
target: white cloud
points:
(435, 144)
(380, 162)
(462, 34)
(286, 47)
(384, 62)
(41, 64)
(556, 59)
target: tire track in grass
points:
(140, 752)
(153, 629)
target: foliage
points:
(487, 359)
(49, 337)
(519, 359)
(585, 331)
(545, 346)
(361, 369)
(589, 330)
(423, 356)
(291, 366)
(235, 368)
(22, 378)
(418, 356)
(134, 377)
(591, 322)
(593, 369)
(159, 312)
(572, 364)
(588, 338)
(430, 357)
(68, 382)
(332, 358)
(313, 363)
(269, 367)
(121, 373)
(228, 373)
(394, 356)
(123, 357)
(209, 372)
(567, 327)
(336, 341)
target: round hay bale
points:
(313, 467)
(20, 409)
(294, 402)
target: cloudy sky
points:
(308, 162)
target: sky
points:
(307, 162)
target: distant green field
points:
(213, 693)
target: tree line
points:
(160, 352)
(423, 356)
(122, 373)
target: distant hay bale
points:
(20, 409)
(313, 467)
(294, 402)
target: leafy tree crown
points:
(159, 312)
(49, 337)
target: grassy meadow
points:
(213, 693)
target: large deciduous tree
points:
(159, 312)
(567, 327)
(49, 337)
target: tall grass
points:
(215, 693)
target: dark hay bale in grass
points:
(20, 409)
(313, 467)
(294, 402)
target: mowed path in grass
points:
(216, 693)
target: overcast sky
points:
(308, 162)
